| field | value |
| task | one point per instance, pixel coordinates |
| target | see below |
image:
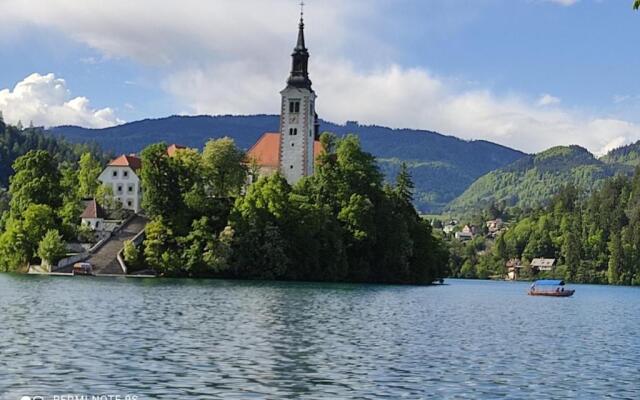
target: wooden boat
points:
(82, 268)
(552, 288)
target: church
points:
(293, 150)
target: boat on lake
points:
(548, 287)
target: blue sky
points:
(524, 73)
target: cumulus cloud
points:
(233, 57)
(408, 98)
(46, 101)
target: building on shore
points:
(514, 266)
(543, 264)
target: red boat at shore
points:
(552, 288)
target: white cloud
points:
(565, 3)
(45, 100)
(407, 98)
(548, 100)
(233, 57)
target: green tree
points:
(106, 199)
(88, 171)
(14, 247)
(571, 248)
(51, 248)
(159, 178)
(158, 242)
(36, 181)
(615, 259)
(131, 255)
(224, 167)
(404, 184)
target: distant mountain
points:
(442, 166)
(532, 180)
(626, 155)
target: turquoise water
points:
(184, 339)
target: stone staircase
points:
(105, 259)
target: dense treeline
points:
(41, 209)
(595, 237)
(16, 142)
(341, 224)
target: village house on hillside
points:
(467, 233)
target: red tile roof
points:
(266, 151)
(173, 149)
(93, 210)
(130, 160)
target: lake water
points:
(187, 339)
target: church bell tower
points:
(298, 119)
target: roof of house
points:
(543, 262)
(93, 210)
(173, 149)
(132, 161)
(266, 151)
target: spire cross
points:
(301, 10)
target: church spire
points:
(299, 76)
(300, 44)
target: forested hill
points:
(442, 166)
(533, 180)
(625, 155)
(15, 142)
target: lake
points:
(204, 339)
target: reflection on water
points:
(225, 339)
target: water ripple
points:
(166, 339)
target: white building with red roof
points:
(121, 174)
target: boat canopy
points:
(548, 282)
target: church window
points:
(292, 144)
(294, 106)
(293, 131)
(290, 166)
